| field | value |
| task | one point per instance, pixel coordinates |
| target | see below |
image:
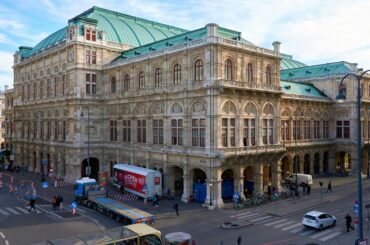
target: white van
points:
(302, 178)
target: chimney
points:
(276, 45)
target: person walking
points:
(54, 202)
(168, 193)
(329, 187)
(154, 200)
(308, 189)
(349, 222)
(32, 204)
(239, 240)
(176, 207)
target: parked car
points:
(318, 220)
(302, 178)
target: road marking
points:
(240, 214)
(296, 230)
(6, 242)
(319, 234)
(247, 216)
(23, 210)
(308, 232)
(37, 209)
(12, 211)
(261, 218)
(284, 224)
(330, 236)
(292, 226)
(3, 212)
(2, 235)
(275, 222)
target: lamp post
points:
(87, 170)
(42, 161)
(340, 98)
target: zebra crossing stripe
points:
(3, 212)
(308, 232)
(296, 230)
(320, 234)
(22, 210)
(275, 222)
(248, 216)
(284, 224)
(241, 214)
(291, 226)
(330, 236)
(12, 210)
(261, 218)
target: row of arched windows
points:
(176, 77)
(229, 72)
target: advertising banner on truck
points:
(131, 180)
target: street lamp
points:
(341, 97)
(42, 160)
(87, 170)
(295, 157)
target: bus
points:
(136, 234)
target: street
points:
(276, 222)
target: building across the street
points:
(213, 112)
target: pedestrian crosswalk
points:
(7, 211)
(288, 225)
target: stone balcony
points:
(248, 86)
(252, 150)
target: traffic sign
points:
(236, 196)
(44, 185)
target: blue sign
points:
(44, 185)
(236, 196)
(74, 205)
(356, 208)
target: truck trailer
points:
(139, 181)
(89, 194)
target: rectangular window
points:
(339, 129)
(64, 131)
(40, 88)
(93, 83)
(56, 133)
(296, 130)
(325, 129)
(362, 130)
(88, 34)
(93, 57)
(113, 130)
(264, 132)
(28, 92)
(87, 57)
(346, 130)
(141, 131)
(224, 135)
(34, 91)
(90, 83)
(176, 131)
(63, 84)
(307, 130)
(55, 86)
(48, 130)
(93, 35)
(22, 96)
(198, 132)
(158, 131)
(126, 128)
(316, 130)
(271, 131)
(48, 88)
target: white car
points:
(318, 220)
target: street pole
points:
(341, 97)
(210, 184)
(295, 157)
(42, 146)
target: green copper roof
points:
(179, 39)
(302, 89)
(119, 28)
(307, 72)
(287, 62)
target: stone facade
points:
(210, 111)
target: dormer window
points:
(88, 34)
(91, 35)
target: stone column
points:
(217, 194)
(331, 162)
(301, 162)
(276, 175)
(239, 182)
(321, 162)
(312, 163)
(258, 179)
(186, 191)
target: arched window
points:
(198, 70)
(126, 82)
(158, 77)
(249, 73)
(113, 85)
(228, 69)
(177, 74)
(268, 75)
(141, 80)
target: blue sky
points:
(313, 31)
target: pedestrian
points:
(176, 207)
(154, 200)
(303, 187)
(157, 198)
(59, 202)
(239, 240)
(329, 187)
(308, 189)
(269, 192)
(32, 205)
(349, 222)
(168, 193)
(54, 202)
